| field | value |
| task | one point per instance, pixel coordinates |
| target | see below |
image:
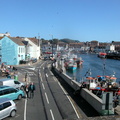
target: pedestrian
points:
(32, 89)
(27, 91)
(25, 77)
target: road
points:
(50, 102)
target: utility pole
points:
(52, 45)
(39, 44)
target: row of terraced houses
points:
(15, 49)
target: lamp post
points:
(52, 45)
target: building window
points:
(19, 49)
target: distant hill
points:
(66, 40)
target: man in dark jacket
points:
(32, 89)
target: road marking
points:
(51, 73)
(25, 109)
(43, 86)
(54, 79)
(31, 68)
(52, 114)
(46, 98)
(43, 68)
(69, 100)
(41, 77)
(46, 75)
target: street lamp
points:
(52, 45)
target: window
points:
(1, 107)
(11, 90)
(1, 93)
(16, 82)
(6, 91)
(7, 104)
(19, 49)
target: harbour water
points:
(98, 66)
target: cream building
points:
(33, 48)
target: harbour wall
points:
(91, 98)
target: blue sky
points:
(83, 20)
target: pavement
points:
(21, 76)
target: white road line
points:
(46, 75)
(43, 68)
(25, 109)
(51, 73)
(54, 79)
(69, 100)
(41, 77)
(42, 64)
(43, 86)
(46, 98)
(52, 114)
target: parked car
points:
(11, 82)
(11, 93)
(7, 108)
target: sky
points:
(83, 20)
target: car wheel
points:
(19, 97)
(13, 113)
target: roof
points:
(18, 41)
(6, 79)
(2, 100)
(4, 87)
(1, 38)
(34, 40)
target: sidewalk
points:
(21, 77)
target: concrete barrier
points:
(98, 104)
(74, 84)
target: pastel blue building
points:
(12, 50)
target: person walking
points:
(32, 89)
(27, 91)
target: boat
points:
(102, 54)
(100, 84)
(70, 64)
(79, 61)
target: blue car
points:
(11, 93)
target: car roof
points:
(6, 79)
(2, 100)
(4, 87)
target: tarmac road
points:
(50, 102)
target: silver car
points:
(7, 108)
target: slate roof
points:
(1, 38)
(34, 40)
(18, 41)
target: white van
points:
(12, 83)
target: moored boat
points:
(70, 64)
(102, 54)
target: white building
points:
(4, 34)
(110, 48)
(33, 50)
